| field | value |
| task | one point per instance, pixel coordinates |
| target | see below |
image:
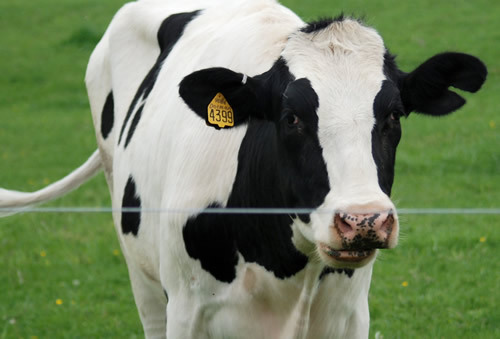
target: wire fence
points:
(229, 210)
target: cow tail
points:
(12, 202)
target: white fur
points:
(177, 161)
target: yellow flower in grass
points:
(482, 239)
(43, 254)
(492, 124)
(116, 252)
(59, 302)
(404, 284)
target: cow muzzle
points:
(357, 236)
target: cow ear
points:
(425, 90)
(221, 97)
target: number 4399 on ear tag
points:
(219, 112)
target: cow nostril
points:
(388, 223)
(342, 224)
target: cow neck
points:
(297, 324)
(260, 238)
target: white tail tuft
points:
(16, 199)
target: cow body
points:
(190, 165)
(314, 123)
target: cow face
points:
(335, 97)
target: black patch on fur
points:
(391, 70)
(331, 270)
(199, 88)
(131, 220)
(108, 116)
(322, 23)
(280, 164)
(426, 89)
(169, 33)
(386, 133)
(270, 90)
(133, 125)
(260, 97)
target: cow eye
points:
(292, 120)
(395, 116)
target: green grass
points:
(46, 131)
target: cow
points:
(203, 105)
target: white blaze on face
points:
(344, 63)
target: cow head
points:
(336, 97)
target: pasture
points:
(62, 274)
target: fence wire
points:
(229, 210)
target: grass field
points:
(62, 275)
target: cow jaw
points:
(345, 258)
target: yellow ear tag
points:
(220, 113)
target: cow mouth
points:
(347, 256)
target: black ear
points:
(425, 90)
(221, 97)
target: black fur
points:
(131, 199)
(108, 116)
(391, 70)
(199, 88)
(321, 24)
(133, 125)
(386, 133)
(425, 90)
(273, 84)
(169, 33)
(259, 98)
(330, 270)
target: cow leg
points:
(151, 303)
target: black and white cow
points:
(202, 104)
